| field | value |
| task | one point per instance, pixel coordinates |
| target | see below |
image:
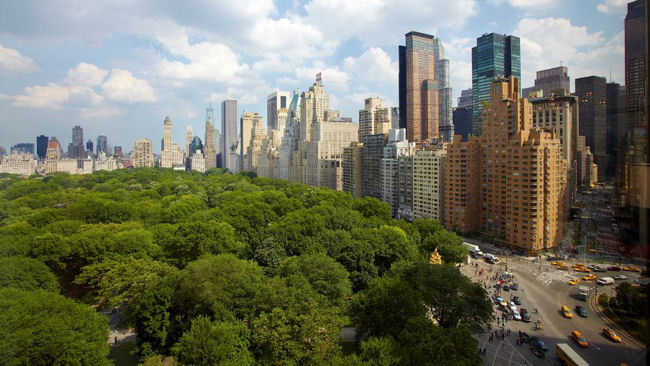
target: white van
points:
(605, 281)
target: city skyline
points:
(127, 81)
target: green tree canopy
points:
(26, 274)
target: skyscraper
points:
(41, 146)
(189, 135)
(90, 147)
(248, 122)
(465, 99)
(209, 152)
(445, 99)
(274, 103)
(228, 131)
(616, 130)
(418, 89)
(171, 153)
(549, 81)
(373, 118)
(102, 144)
(494, 56)
(592, 94)
(76, 147)
(142, 155)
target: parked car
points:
(581, 311)
(506, 287)
(514, 287)
(525, 315)
(580, 340)
(608, 333)
(516, 315)
(516, 300)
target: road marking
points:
(496, 352)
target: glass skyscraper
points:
(495, 55)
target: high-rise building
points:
(197, 162)
(41, 146)
(313, 104)
(189, 135)
(210, 152)
(23, 148)
(142, 154)
(268, 163)
(76, 147)
(494, 56)
(254, 149)
(171, 154)
(291, 136)
(463, 122)
(510, 182)
(550, 80)
(465, 99)
(592, 96)
(352, 166)
(18, 163)
(616, 128)
(117, 151)
(53, 149)
(373, 118)
(228, 131)
(248, 122)
(196, 145)
(373, 150)
(396, 147)
(102, 144)
(428, 180)
(275, 102)
(445, 98)
(90, 147)
(418, 89)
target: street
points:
(543, 287)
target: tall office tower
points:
(76, 147)
(254, 148)
(41, 146)
(548, 81)
(352, 166)
(196, 145)
(615, 115)
(53, 149)
(23, 148)
(313, 104)
(373, 151)
(102, 144)
(117, 151)
(228, 131)
(394, 117)
(465, 99)
(290, 137)
(418, 89)
(445, 98)
(428, 180)
(142, 155)
(637, 165)
(171, 153)
(274, 103)
(209, 152)
(189, 135)
(373, 118)
(513, 174)
(248, 121)
(592, 94)
(494, 56)
(463, 122)
(397, 146)
(90, 147)
(324, 152)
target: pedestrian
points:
(115, 340)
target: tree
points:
(449, 246)
(427, 227)
(214, 343)
(450, 297)
(385, 306)
(26, 274)
(153, 322)
(42, 328)
(380, 351)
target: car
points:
(631, 269)
(620, 277)
(578, 264)
(516, 315)
(567, 312)
(516, 300)
(554, 263)
(539, 344)
(599, 269)
(525, 315)
(573, 282)
(614, 268)
(581, 311)
(589, 277)
(582, 269)
(506, 287)
(580, 340)
(609, 333)
(562, 266)
(514, 287)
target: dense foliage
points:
(227, 269)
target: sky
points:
(119, 67)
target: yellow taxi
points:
(562, 266)
(554, 263)
(589, 277)
(573, 282)
(567, 312)
(578, 264)
(631, 269)
(580, 340)
(611, 335)
(582, 269)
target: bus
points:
(568, 356)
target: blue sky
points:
(119, 67)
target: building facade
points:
(551, 80)
(352, 167)
(228, 131)
(592, 94)
(275, 102)
(142, 154)
(41, 146)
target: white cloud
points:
(86, 74)
(612, 6)
(11, 60)
(42, 96)
(373, 67)
(533, 3)
(332, 77)
(122, 86)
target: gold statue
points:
(435, 258)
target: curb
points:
(593, 301)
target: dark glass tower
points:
(494, 56)
(41, 146)
(592, 96)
